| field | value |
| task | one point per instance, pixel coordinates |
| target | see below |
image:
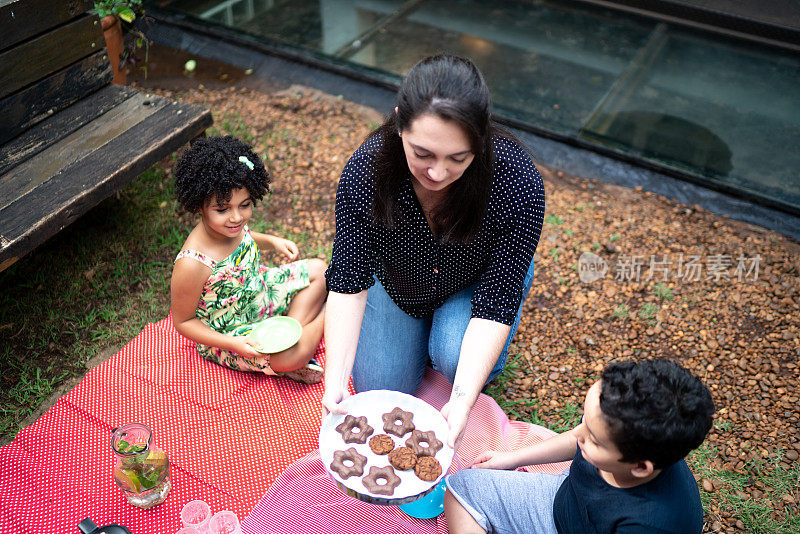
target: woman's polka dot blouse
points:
(418, 271)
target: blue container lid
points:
(428, 506)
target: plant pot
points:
(112, 31)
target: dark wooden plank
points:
(60, 125)
(49, 52)
(22, 19)
(23, 109)
(93, 136)
(31, 220)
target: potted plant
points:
(111, 12)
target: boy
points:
(627, 474)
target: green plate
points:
(276, 334)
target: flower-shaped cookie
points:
(398, 422)
(354, 429)
(381, 480)
(348, 463)
(424, 443)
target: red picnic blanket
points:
(229, 435)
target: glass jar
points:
(141, 469)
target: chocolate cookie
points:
(424, 443)
(403, 458)
(381, 444)
(398, 422)
(356, 462)
(381, 480)
(354, 429)
(428, 468)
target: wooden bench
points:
(68, 138)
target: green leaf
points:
(127, 14)
(151, 479)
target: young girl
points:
(219, 289)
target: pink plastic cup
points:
(224, 522)
(196, 515)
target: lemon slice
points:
(127, 480)
(156, 456)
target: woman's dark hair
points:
(212, 168)
(655, 409)
(451, 88)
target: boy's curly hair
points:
(656, 410)
(211, 168)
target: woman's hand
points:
(494, 460)
(331, 401)
(481, 346)
(456, 412)
(286, 248)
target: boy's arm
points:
(559, 448)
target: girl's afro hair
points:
(211, 168)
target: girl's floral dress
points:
(241, 292)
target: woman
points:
(438, 215)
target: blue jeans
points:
(394, 348)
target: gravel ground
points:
(719, 296)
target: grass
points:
(622, 311)
(527, 409)
(555, 220)
(233, 124)
(567, 416)
(759, 515)
(648, 311)
(722, 425)
(29, 391)
(93, 286)
(663, 292)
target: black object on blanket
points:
(87, 526)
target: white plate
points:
(373, 404)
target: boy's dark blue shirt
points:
(670, 503)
